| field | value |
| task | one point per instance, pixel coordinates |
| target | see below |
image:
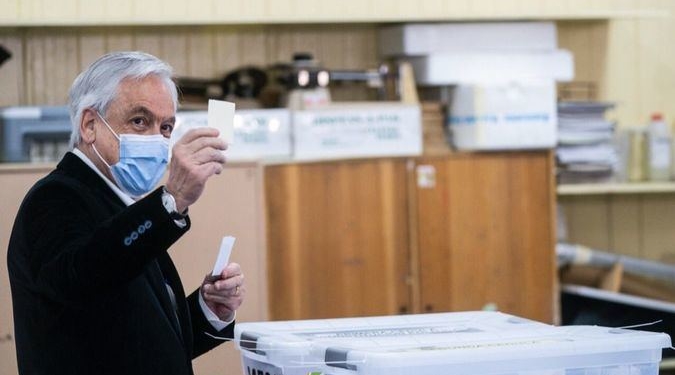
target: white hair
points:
(97, 86)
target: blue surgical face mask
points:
(142, 163)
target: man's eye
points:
(167, 129)
(140, 121)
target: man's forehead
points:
(143, 110)
(148, 96)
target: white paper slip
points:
(221, 117)
(223, 255)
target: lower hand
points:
(224, 294)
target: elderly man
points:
(93, 288)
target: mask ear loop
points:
(112, 131)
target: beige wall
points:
(114, 12)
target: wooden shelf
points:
(31, 13)
(617, 188)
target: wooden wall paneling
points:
(360, 48)
(587, 41)
(622, 84)
(35, 68)
(15, 185)
(588, 220)
(625, 225)
(119, 39)
(656, 62)
(62, 66)
(344, 230)
(225, 50)
(150, 40)
(91, 46)
(174, 50)
(659, 226)
(200, 43)
(280, 44)
(12, 88)
(251, 49)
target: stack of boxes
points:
(498, 79)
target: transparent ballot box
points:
(472, 343)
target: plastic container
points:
(659, 149)
(473, 343)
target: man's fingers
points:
(207, 155)
(194, 133)
(229, 283)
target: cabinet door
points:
(486, 233)
(337, 239)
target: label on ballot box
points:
(357, 130)
(476, 343)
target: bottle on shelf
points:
(658, 150)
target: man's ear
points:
(87, 123)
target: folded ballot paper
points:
(220, 116)
(223, 255)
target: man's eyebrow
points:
(148, 113)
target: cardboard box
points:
(259, 134)
(492, 67)
(356, 131)
(477, 343)
(429, 38)
(517, 115)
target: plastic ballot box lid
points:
(447, 343)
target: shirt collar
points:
(124, 197)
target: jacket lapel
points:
(74, 167)
(171, 275)
(156, 280)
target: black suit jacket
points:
(88, 277)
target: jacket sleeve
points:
(72, 257)
(200, 326)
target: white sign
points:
(357, 131)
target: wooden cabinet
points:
(355, 238)
(337, 239)
(486, 234)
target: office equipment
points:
(448, 343)
(34, 134)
